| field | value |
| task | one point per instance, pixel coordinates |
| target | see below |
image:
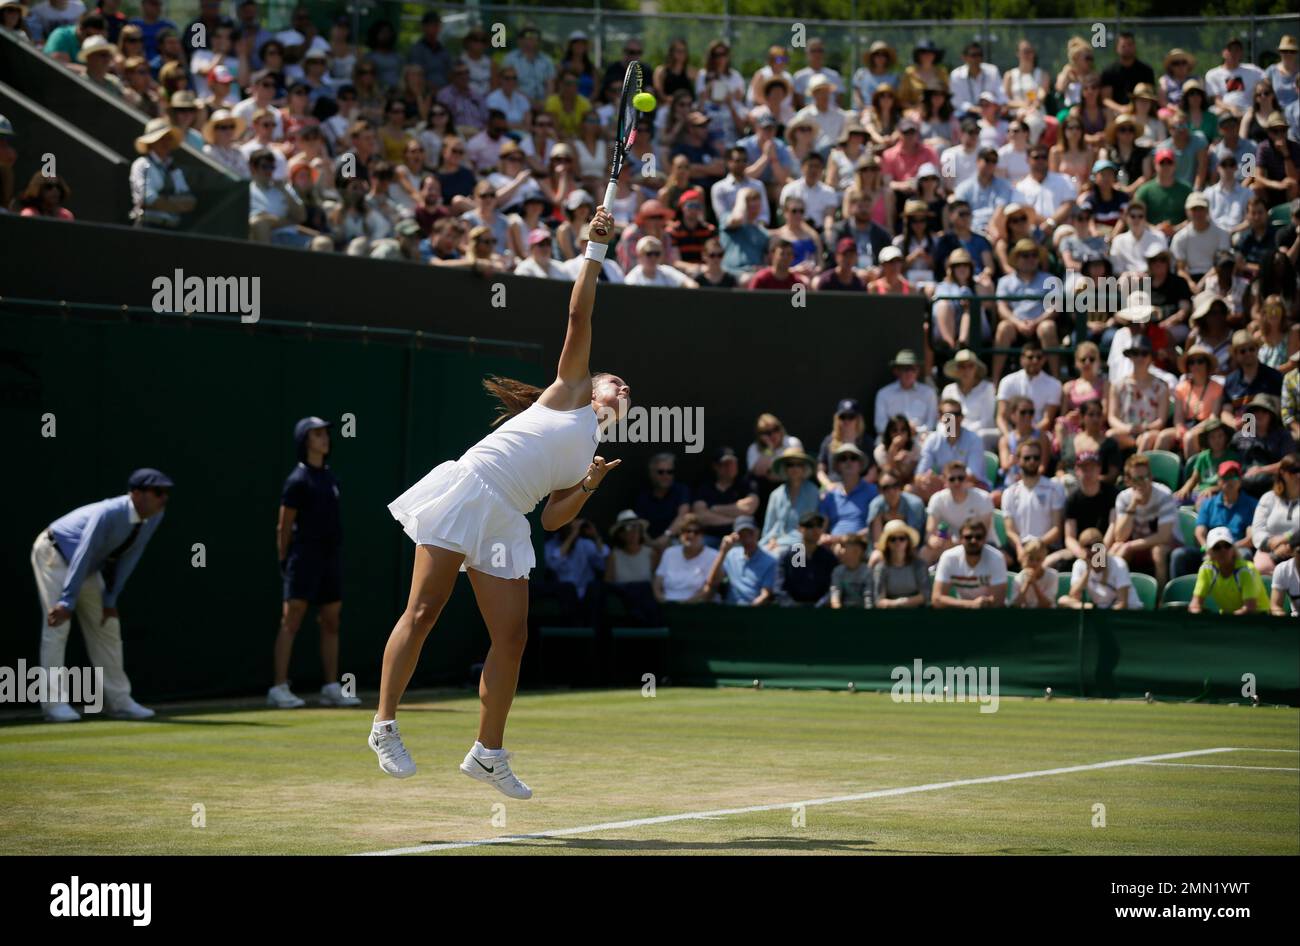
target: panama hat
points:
(1287, 44)
(626, 519)
(1138, 308)
(951, 368)
(1209, 427)
(1204, 303)
(156, 130)
(14, 3)
(880, 46)
(1176, 54)
(791, 455)
(95, 45)
(896, 527)
(222, 116)
(905, 358)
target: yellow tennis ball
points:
(644, 102)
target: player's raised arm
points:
(574, 370)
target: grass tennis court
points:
(304, 782)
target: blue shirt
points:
(984, 201)
(1012, 285)
(847, 513)
(783, 154)
(747, 575)
(937, 452)
(781, 522)
(911, 505)
(1236, 518)
(579, 567)
(87, 536)
(314, 493)
(151, 31)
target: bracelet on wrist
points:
(583, 484)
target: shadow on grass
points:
(738, 846)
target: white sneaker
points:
(130, 710)
(60, 713)
(494, 768)
(331, 694)
(281, 697)
(393, 757)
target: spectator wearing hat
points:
(159, 191)
(707, 166)
(665, 502)
(630, 567)
(1227, 198)
(1145, 522)
(1024, 319)
(1228, 507)
(970, 388)
(770, 441)
(848, 425)
(891, 279)
(956, 319)
(972, 575)
(1278, 175)
(1194, 246)
(221, 90)
(845, 503)
(1264, 448)
(816, 50)
(985, 193)
(842, 162)
(776, 68)
(901, 162)
(98, 55)
(1132, 160)
(804, 568)
(183, 113)
(749, 571)
(1138, 404)
(723, 497)
(1165, 197)
(949, 441)
(1107, 580)
(1285, 595)
(917, 244)
(843, 276)
(1032, 382)
(309, 544)
(1214, 448)
(82, 562)
(791, 501)
(690, 231)
(1232, 84)
(1233, 582)
(926, 68)
(1210, 329)
(1230, 142)
(541, 263)
(1051, 195)
(1284, 74)
(824, 112)
(879, 68)
(1198, 399)
(904, 395)
(852, 584)
(993, 127)
(1130, 247)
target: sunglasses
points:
(653, 253)
(1031, 457)
(488, 194)
(667, 472)
(890, 486)
(979, 537)
(897, 538)
(713, 255)
(794, 210)
(957, 478)
(769, 431)
(1087, 359)
(1026, 412)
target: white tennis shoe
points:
(331, 694)
(130, 709)
(281, 697)
(60, 713)
(493, 767)
(393, 757)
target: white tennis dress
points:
(476, 505)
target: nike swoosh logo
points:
(482, 766)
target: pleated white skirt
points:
(453, 508)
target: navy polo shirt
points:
(314, 493)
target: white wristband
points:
(596, 251)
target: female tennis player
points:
(468, 515)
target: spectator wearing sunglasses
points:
(1130, 249)
(1249, 378)
(711, 274)
(651, 270)
(690, 231)
(901, 577)
(1145, 521)
(947, 442)
(805, 568)
(1033, 506)
(540, 262)
(973, 575)
(683, 571)
(1229, 507)
(958, 502)
(1235, 585)
(664, 502)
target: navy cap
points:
(1140, 344)
(305, 426)
(723, 453)
(147, 478)
(848, 406)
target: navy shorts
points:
(314, 577)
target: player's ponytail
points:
(513, 396)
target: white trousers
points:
(103, 636)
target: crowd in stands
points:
(1161, 430)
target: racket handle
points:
(610, 193)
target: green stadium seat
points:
(1187, 526)
(991, 467)
(1062, 584)
(1146, 588)
(1178, 592)
(1165, 467)
(1011, 586)
(1000, 527)
(1280, 216)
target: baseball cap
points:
(408, 228)
(693, 194)
(221, 75)
(849, 450)
(907, 124)
(845, 245)
(1165, 155)
(890, 254)
(1087, 456)
(765, 120)
(1195, 199)
(149, 478)
(747, 522)
(698, 118)
(1229, 466)
(848, 406)
(538, 235)
(1140, 344)
(1218, 535)
(6, 128)
(577, 198)
(724, 453)
(1103, 165)
(926, 170)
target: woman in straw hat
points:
(13, 16)
(882, 115)
(220, 133)
(879, 67)
(1211, 445)
(901, 578)
(970, 387)
(1198, 397)
(1133, 163)
(1178, 67)
(791, 501)
(918, 245)
(1138, 406)
(631, 559)
(1143, 106)
(925, 68)
(139, 88)
(954, 309)
(1281, 75)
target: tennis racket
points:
(633, 83)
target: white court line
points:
(837, 799)
(1202, 765)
